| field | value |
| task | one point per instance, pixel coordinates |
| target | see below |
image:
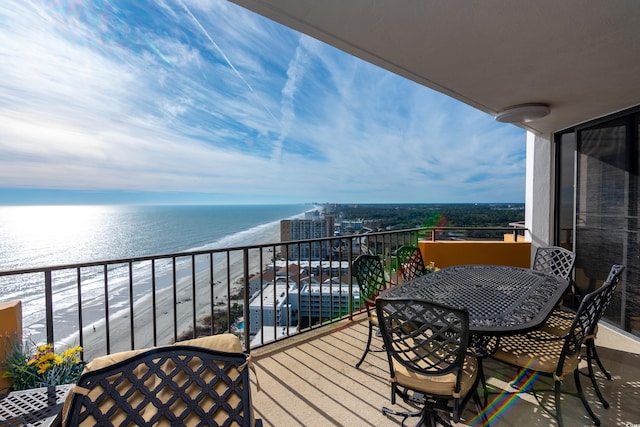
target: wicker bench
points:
(200, 382)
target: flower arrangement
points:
(29, 366)
(431, 267)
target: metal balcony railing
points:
(279, 289)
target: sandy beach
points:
(94, 336)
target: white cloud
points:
(204, 96)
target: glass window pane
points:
(566, 185)
(602, 194)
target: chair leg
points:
(431, 419)
(480, 408)
(557, 398)
(366, 350)
(576, 376)
(403, 414)
(483, 381)
(590, 356)
(592, 345)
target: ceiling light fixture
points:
(523, 113)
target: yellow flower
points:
(44, 348)
(71, 351)
(432, 267)
(43, 368)
(48, 357)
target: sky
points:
(202, 101)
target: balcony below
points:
(311, 380)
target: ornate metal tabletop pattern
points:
(501, 300)
(38, 407)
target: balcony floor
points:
(311, 380)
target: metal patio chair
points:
(559, 262)
(561, 319)
(429, 364)
(410, 262)
(557, 356)
(369, 273)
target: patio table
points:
(37, 407)
(501, 300)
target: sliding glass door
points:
(597, 209)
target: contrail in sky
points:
(184, 6)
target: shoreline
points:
(94, 335)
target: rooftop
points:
(311, 380)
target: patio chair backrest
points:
(424, 337)
(554, 260)
(177, 384)
(410, 262)
(369, 273)
(612, 280)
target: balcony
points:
(306, 371)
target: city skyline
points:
(191, 102)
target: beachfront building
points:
(292, 273)
(285, 303)
(315, 268)
(330, 268)
(271, 307)
(328, 300)
(316, 227)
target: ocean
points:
(41, 236)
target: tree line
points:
(402, 216)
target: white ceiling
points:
(581, 57)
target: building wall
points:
(316, 301)
(10, 329)
(539, 190)
(326, 301)
(446, 253)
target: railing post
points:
(194, 292)
(350, 261)
(48, 304)
(245, 267)
(131, 306)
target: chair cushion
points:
(222, 342)
(560, 322)
(442, 385)
(538, 351)
(373, 317)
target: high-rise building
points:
(314, 226)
